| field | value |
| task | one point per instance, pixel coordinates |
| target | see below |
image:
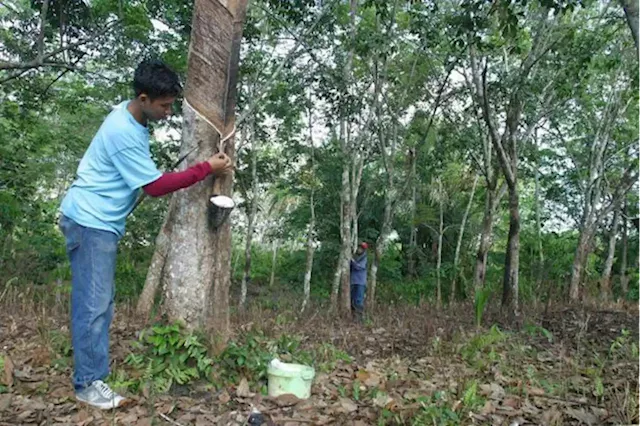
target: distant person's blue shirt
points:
(113, 169)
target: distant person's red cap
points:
(364, 245)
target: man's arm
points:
(170, 182)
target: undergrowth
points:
(166, 355)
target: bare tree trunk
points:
(156, 268)
(440, 235)
(605, 283)
(310, 253)
(511, 266)
(631, 11)
(540, 268)
(342, 277)
(624, 278)
(413, 236)
(381, 245)
(494, 195)
(196, 274)
(251, 217)
(456, 257)
(579, 261)
(274, 259)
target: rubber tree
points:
(192, 261)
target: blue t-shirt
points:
(113, 169)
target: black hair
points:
(155, 79)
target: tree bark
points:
(579, 261)
(310, 253)
(274, 259)
(341, 284)
(631, 12)
(492, 201)
(156, 267)
(440, 235)
(413, 235)
(251, 217)
(511, 266)
(196, 271)
(456, 257)
(605, 282)
(624, 278)
(541, 267)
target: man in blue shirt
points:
(359, 281)
(112, 171)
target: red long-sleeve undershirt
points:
(170, 182)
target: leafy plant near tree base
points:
(170, 355)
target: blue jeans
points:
(92, 253)
(357, 298)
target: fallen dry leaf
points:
(534, 391)
(287, 400)
(224, 397)
(347, 405)
(488, 408)
(146, 421)
(512, 402)
(8, 372)
(243, 389)
(493, 391)
(582, 416)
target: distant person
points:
(359, 281)
(108, 180)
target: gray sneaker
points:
(99, 394)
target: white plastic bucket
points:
(286, 378)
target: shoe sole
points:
(102, 407)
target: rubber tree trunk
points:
(492, 201)
(274, 261)
(512, 261)
(440, 235)
(251, 218)
(456, 257)
(624, 278)
(341, 283)
(631, 12)
(310, 253)
(605, 281)
(156, 268)
(413, 235)
(579, 261)
(540, 267)
(196, 272)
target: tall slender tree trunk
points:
(381, 245)
(195, 273)
(605, 282)
(512, 262)
(540, 267)
(341, 284)
(274, 259)
(251, 217)
(310, 253)
(631, 12)
(492, 201)
(413, 235)
(312, 219)
(624, 278)
(156, 268)
(440, 235)
(456, 257)
(579, 261)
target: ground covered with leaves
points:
(408, 366)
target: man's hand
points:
(220, 164)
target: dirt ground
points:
(409, 365)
